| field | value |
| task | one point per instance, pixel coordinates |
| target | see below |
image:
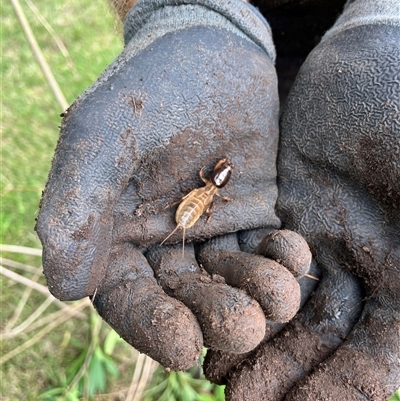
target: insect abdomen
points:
(189, 211)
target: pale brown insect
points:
(200, 200)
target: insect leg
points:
(225, 198)
(204, 179)
(220, 163)
(209, 212)
(176, 202)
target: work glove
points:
(339, 186)
(194, 84)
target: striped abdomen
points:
(194, 205)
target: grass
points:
(30, 119)
(55, 355)
(29, 112)
(60, 355)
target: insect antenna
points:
(178, 226)
(183, 243)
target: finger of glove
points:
(287, 248)
(132, 302)
(308, 339)
(367, 365)
(218, 364)
(296, 256)
(93, 162)
(267, 281)
(229, 319)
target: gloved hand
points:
(339, 172)
(193, 84)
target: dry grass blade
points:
(23, 280)
(27, 344)
(34, 316)
(39, 54)
(21, 266)
(20, 249)
(149, 368)
(29, 283)
(68, 311)
(53, 34)
(21, 304)
(135, 377)
(144, 369)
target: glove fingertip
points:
(153, 323)
(288, 248)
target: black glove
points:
(339, 172)
(180, 97)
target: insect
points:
(200, 200)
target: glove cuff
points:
(150, 19)
(366, 12)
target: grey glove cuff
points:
(151, 19)
(366, 12)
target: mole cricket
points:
(200, 200)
